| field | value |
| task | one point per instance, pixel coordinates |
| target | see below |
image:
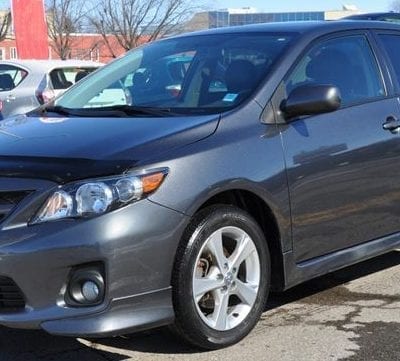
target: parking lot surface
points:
(351, 315)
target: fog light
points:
(90, 291)
(85, 288)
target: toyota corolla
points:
(125, 206)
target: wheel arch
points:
(262, 212)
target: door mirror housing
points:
(311, 100)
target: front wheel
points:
(221, 278)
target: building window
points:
(2, 53)
(13, 53)
(95, 55)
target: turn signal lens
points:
(152, 182)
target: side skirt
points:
(296, 273)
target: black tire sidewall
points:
(188, 321)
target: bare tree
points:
(132, 22)
(5, 23)
(64, 17)
(395, 5)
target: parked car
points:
(26, 84)
(187, 210)
(392, 17)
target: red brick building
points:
(84, 46)
(91, 47)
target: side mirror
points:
(311, 100)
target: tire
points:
(218, 297)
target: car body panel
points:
(342, 182)
(239, 135)
(59, 148)
(96, 243)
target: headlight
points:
(98, 196)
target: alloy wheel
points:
(226, 278)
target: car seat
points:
(240, 76)
(6, 82)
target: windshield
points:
(186, 75)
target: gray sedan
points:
(126, 206)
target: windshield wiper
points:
(42, 110)
(111, 111)
(142, 110)
(81, 112)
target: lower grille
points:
(8, 201)
(11, 297)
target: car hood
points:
(66, 149)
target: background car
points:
(26, 84)
(390, 17)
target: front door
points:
(342, 167)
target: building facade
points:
(83, 47)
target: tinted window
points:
(392, 46)
(347, 63)
(11, 76)
(193, 74)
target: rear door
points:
(342, 167)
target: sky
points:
(300, 5)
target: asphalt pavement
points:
(350, 315)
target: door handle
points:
(392, 124)
(10, 98)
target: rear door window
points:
(63, 78)
(11, 76)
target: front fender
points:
(241, 155)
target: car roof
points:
(47, 65)
(302, 27)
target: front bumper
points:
(136, 245)
(122, 316)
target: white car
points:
(26, 84)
